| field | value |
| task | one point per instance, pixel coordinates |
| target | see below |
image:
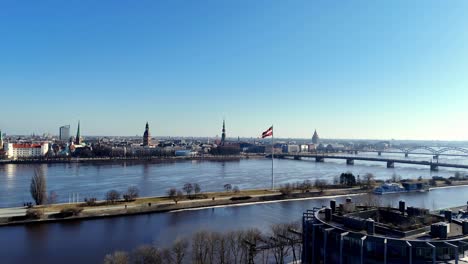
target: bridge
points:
(434, 166)
(463, 152)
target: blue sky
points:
(350, 69)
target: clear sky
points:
(351, 69)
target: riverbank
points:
(148, 205)
(161, 204)
(133, 159)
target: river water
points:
(94, 179)
(88, 241)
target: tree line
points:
(280, 244)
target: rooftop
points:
(406, 223)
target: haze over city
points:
(366, 69)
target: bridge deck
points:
(405, 161)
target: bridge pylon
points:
(390, 164)
(406, 154)
(350, 162)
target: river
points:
(88, 241)
(153, 179)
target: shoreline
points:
(187, 205)
(119, 211)
(132, 159)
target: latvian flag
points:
(268, 132)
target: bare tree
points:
(147, 254)
(179, 250)
(200, 249)
(38, 187)
(286, 189)
(188, 188)
(112, 196)
(280, 240)
(196, 188)
(172, 193)
(320, 184)
(118, 257)
(369, 180)
(131, 194)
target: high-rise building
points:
(315, 138)
(146, 136)
(223, 135)
(64, 134)
(78, 139)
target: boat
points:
(400, 188)
(389, 188)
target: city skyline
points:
(362, 70)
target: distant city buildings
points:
(64, 133)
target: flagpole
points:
(272, 156)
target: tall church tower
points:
(223, 135)
(78, 139)
(146, 136)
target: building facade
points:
(15, 151)
(352, 234)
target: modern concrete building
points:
(350, 233)
(64, 133)
(15, 151)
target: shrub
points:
(90, 201)
(236, 189)
(286, 189)
(34, 214)
(227, 187)
(70, 211)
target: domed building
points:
(315, 138)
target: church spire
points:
(78, 135)
(146, 136)
(223, 135)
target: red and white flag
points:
(268, 132)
